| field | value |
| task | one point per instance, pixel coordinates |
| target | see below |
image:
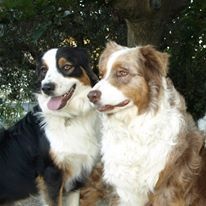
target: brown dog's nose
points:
(94, 96)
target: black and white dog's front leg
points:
(50, 185)
(72, 187)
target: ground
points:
(32, 201)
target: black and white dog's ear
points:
(93, 77)
(38, 77)
(84, 62)
(38, 62)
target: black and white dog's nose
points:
(48, 88)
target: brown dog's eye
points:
(122, 72)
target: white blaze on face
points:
(110, 95)
(112, 59)
(49, 58)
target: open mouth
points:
(108, 107)
(58, 102)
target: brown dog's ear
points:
(112, 44)
(154, 60)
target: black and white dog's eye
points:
(43, 69)
(68, 67)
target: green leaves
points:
(187, 44)
(20, 9)
(39, 31)
(29, 27)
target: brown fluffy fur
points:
(183, 181)
(96, 192)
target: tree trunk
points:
(146, 19)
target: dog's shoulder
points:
(30, 122)
(24, 135)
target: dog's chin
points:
(109, 108)
(56, 103)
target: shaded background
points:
(29, 27)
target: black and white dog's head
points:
(64, 78)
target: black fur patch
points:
(24, 156)
(53, 178)
(80, 181)
(39, 74)
(78, 57)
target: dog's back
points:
(19, 157)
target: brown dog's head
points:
(130, 76)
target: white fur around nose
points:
(109, 94)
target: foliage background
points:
(186, 42)
(28, 28)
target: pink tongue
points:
(55, 103)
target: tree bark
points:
(146, 19)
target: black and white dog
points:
(55, 146)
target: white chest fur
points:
(135, 153)
(74, 142)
